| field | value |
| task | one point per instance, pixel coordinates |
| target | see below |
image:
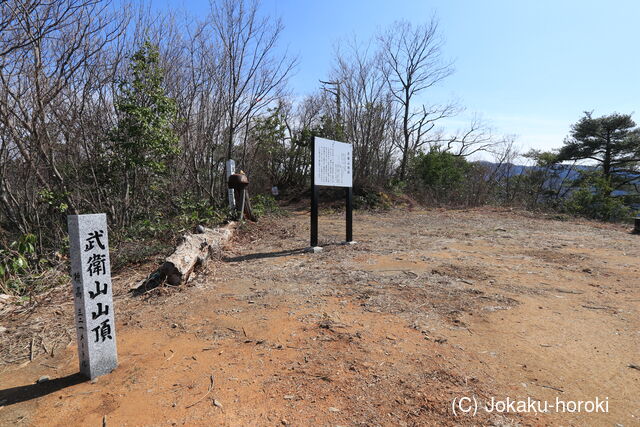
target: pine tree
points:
(612, 141)
(145, 137)
(144, 141)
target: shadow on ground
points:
(23, 393)
(261, 255)
(277, 254)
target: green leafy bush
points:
(54, 200)
(441, 175)
(593, 200)
(15, 262)
(193, 210)
(263, 204)
(375, 200)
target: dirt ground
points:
(427, 307)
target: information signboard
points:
(333, 163)
(331, 166)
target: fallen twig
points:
(568, 291)
(44, 345)
(79, 394)
(594, 307)
(205, 395)
(49, 366)
(551, 387)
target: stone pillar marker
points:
(93, 295)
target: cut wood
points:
(192, 251)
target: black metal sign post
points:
(349, 215)
(314, 204)
(314, 197)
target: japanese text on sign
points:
(332, 163)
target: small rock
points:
(43, 379)
(284, 422)
(332, 409)
(289, 397)
(199, 229)
(174, 325)
(587, 270)
(217, 404)
(2, 329)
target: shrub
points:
(593, 200)
(263, 204)
(371, 199)
(17, 261)
(441, 175)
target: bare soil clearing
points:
(427, 307)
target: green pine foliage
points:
(612, 141)
(593, 199)
(145, 137)
(144, 143)
(441, 174)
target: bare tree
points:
(477, 137)
(367, 112)
(255, 72)
(18, 18)
(412, 60)
(48, 65)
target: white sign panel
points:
(333, 163)
(231, 169)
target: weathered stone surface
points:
(93, 295)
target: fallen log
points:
(192, 251)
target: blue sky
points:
(529, 68)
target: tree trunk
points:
(190, 253)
